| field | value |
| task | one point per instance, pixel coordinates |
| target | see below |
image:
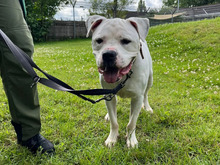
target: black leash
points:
(54, 83)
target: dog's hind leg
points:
(112, 114)
(146, 104)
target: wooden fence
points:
(62, 30)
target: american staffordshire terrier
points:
(119, 46)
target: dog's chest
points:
(129, 90)
(126, 93)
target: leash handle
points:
(53, 82)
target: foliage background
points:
(109, 9)
(40, 16)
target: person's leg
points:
(23, 100)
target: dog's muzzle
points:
(110, 71)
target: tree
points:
(141, 6)
(40, 16)
(189, 3)
(109, 9)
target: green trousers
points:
(23, 100)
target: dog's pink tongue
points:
(110, 77)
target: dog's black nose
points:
(109, 59)
(109, 55)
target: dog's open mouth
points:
(113, 74)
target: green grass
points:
(185, 126)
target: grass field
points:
(185, 126)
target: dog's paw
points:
(107, 117)
(132, 143)
(110, 142)
(148, 108)
(131, 140)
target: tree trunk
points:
(115, 8)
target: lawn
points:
(185, 126)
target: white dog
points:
(119, 45)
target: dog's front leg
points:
(136, 104)
(112, 113)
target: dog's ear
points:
(93, 22)
(142, 26)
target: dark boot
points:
(34, 144)
(39, 143)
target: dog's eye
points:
(125, 41)
(99, 40)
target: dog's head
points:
(116, 43)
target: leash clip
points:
(109, 97)
(36, 80)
